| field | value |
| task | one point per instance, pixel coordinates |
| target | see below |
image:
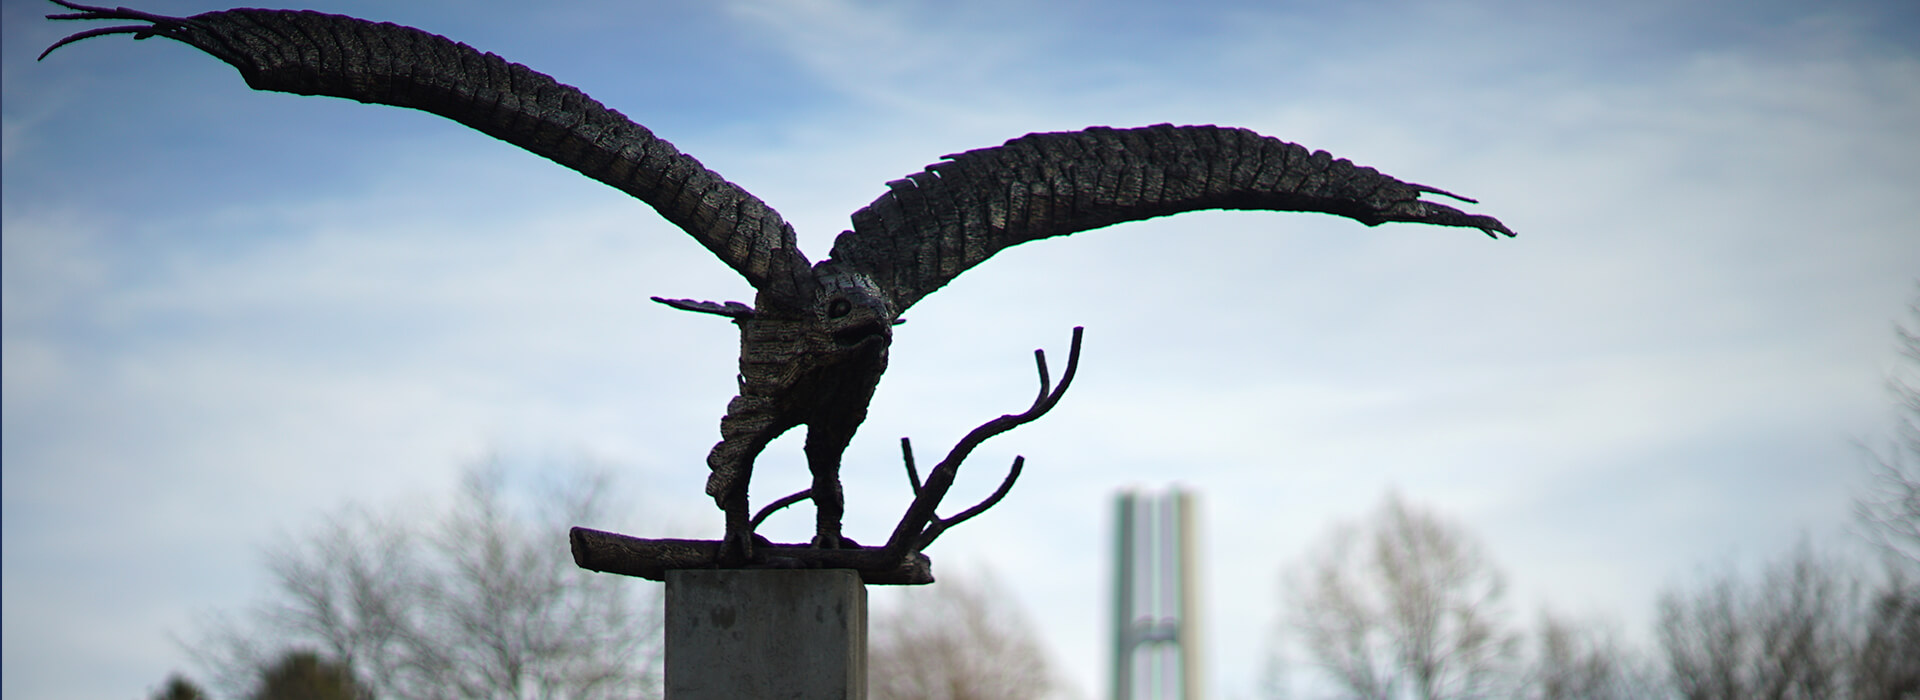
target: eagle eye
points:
(839, 308)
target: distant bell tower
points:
(1156, 619)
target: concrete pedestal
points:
(799, 634)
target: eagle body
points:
(816, 365)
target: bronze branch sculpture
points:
(814, 343)
(899, 561)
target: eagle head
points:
(852, 312)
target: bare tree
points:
(1584, 662)
(1810, 626)
(1886, 665)
(1403, 603)
(1890, 508)
(347, 588)
(480, 601)
(302, 674)
(178, 687)
(1789, 635)
(959, 639)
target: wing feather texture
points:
(935, 224)
(310, 53)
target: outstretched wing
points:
(935, 224)
(309, 53)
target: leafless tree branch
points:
(1890, 508)
(913, 472)
(940, 525)
(775, 506)
(920, 525)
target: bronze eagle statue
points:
(813, 344)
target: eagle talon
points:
(740, 549)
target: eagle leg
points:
(736, 549)
(824, 449)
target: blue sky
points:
(228, 313)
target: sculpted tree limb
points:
(900, 561)
(920, 526)
(814, 342)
